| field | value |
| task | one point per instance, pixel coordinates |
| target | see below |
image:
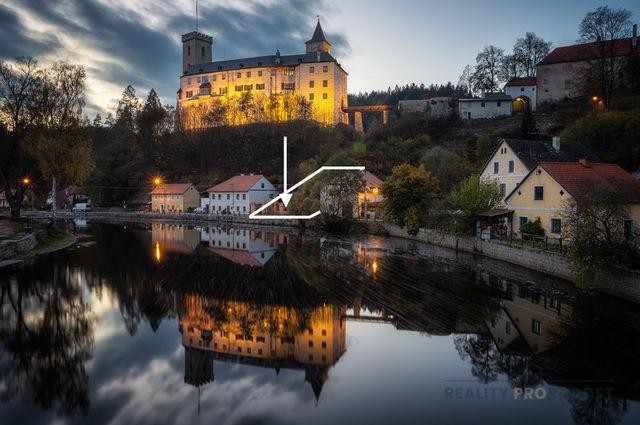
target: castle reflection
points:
(275, 337)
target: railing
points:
(546, 243)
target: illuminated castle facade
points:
(277, 87)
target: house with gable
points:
(241, 194)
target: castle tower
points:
(318, 42)
(197, 48)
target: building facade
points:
(523, 92)
(174, 197)
(491, 105)
(241, 194)
(310, 85)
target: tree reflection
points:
(46, 335)
(595, 407)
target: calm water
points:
(163, 323)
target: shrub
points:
(532, 228)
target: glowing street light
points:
(157, 181)
(158, 254)
(26, 181)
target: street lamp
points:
(157, 181)
(26, 181)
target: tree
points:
(603, 26)
(510, 67)
(20, 108)
(528, 51)
(245, 105)
(472, 197)
(149, 120)
(408, 187)
(486, 74)
(127, 110)
(447, 166)
(595, 232)
(465, 81)
(528, 126)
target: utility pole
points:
(53, 198)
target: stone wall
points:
(14, 247)
(618, 282)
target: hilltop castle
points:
(276, 87)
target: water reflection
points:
(250, 310)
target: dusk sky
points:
(380, 43)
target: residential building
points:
(560, 73)
(173, 237)
(241, 194)
(523, 92)
(69, 196)
(277, 84)
(248, 247)
(490, 105)
(550, 187)
(513, 159)
(369, 199)
(174, 197)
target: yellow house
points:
(174, 197)
(370, 197)
(551, 186)
(513, 159)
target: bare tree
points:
(486, 74)
(528, 51)
(510, 67)
(465, 81)
(603, 26)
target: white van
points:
(81, 207)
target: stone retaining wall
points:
(622, 283)
(14, 247)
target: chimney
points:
(585, 162)
(634, 38)
(555, 142)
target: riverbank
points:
(23, 247)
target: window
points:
(310, 96)
(202, 52)
(499, 104)
(224, 76)
(248, 74)
(273, 72)
(248, 87)
(260, 86)
(496, 167)
(567, 84)
(239, 337)
(324, 332)
(556, 225)
(238, 74)
(512, 166)
(259, 73)
(325, 96)
(259, 351)
(260, 339)
(324, 344)
(521, 88)
(261, 185)
(482, 104)
(288, 86)
(507, 328)
(188, 50)
(289, 72)
(237, 196)
(239, 88)
(244, 196)
(228, 196)
(325, 68)
(523, 220)
(213, 77)
(310, 344)
(535, 326)
(503, 189)
(205, 78)
(311, 84)
(312, 69)
(325, 83)
(189, 94)
(538, 193)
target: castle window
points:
(325, 83)
(288, 86)
(223, 90)
(325, 68)
(259, 73)
(310, 96)
(239, 88)
(312, 69)
(238, 74)
(499, 104)
(482, 104)
(248, 74)
(248, 87)
(205, 79)
(202, 52)
(224, 77)
(213, 77)
(259, 86)
(273, 72)
(188, 50)
(311, 84)
(325, 96)
(189, 94)
(289, 72)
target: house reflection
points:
(250, 247)
(266, 336)
(173, 237)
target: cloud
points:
(138, 43)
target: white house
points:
(241, 194)
(490, 105)
(523, 92)
(248, 247)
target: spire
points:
(318, 41)
(318, 34)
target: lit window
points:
(311, 84)
(325, 83)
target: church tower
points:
(318, 42)
(197, 48)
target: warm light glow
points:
(374, 266)
(375, 190)
(595, 98)
(158, 254)
(26, 181)
(157, 180)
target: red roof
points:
(171, 189)
(242, 183)
(243, 258)
(586, 51)
(577, 178)
(521, 81)
(370, 180)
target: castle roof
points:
(588, 51)
(318, 35)
(521, 81)
(260, 61)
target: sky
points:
(380, 43)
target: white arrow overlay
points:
(286, 195)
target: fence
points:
(546, 243)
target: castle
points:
(311, 85)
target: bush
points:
(532, 228)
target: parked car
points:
(199, 210)
(81, 207)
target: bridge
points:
(358, 110)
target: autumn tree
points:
(472, 197)
(408, 193)
(603, 26)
